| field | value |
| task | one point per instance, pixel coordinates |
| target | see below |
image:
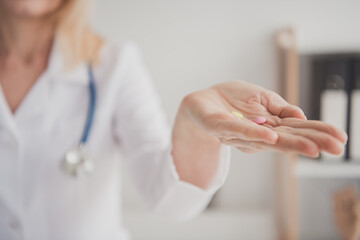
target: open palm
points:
(286, 128)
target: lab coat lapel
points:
(60, 72)
(6, 117)
(8, 120)
(9, 172)
(37, 100)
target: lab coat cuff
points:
(190, 199)
(219, 179)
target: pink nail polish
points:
(259, 120)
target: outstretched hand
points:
(286, 128)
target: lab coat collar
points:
(6, 117)
(58, 70)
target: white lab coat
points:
(39, 202)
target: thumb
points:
(276, 105)
(292, 111)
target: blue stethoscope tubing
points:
(92, 106)
(76, 161)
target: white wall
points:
(189, 45)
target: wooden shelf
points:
(307, 168)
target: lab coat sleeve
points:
(145, 141)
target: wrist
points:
(186, 127)
(195, 153)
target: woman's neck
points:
(25, 38)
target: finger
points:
(240, 143)
(318, 125)
(325, 141)
(286, 143)
(276, 105)
(296, 144)
(246, 130)
(248, 150)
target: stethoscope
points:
(76, 162)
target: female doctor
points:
(70, 100)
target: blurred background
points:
(189, 45)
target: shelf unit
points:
(289, 169)
(286, 193)
(308, 168)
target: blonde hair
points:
(76, 38)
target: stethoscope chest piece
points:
(76, 162)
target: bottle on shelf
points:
(332, 78)
(355, 115)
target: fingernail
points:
(303, 114)
(345, 137)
